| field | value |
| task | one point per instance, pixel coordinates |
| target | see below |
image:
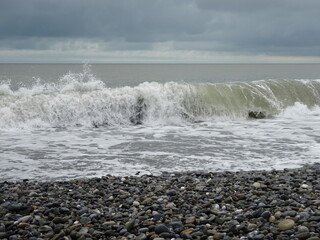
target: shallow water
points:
(208, 146)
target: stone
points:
(272, 219)
(85, 220)
(161, 228)
(24, 219)
(256, 185)
(58, 220)
(190, 220)
(176, 225)
(286, 224)
(142, 236)
(17, 208)
(45, 228)
(136, 203)
(171, 193)
(266, 214)
(130, 224)
(256, 114)
(218, 235)
(257, 213)
(158, 216)
(187, 231)
(3, 235)
(143, 230)
(109, 223)
(303, 229)
(303, 235)
(83, 211)
(170, 205)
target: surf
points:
(80, 99)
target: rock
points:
(160, 228)
(142, 236)
(303, 235)
(82, 211)
(278, 215)
(44, 229)
(58, 236)
(83, 230)
(136, 203)
(286, 224)
(187, 231)
(139, 111)
(130, 224)
(64, 210)
(85, 220)
(171, 193)
(24, 219)
(158, 216)
(18, 208)
(58, 220)
(305, 186)
(3, 235)
(256, 185)
(190, 220)
(52, 205)
(218, 236)
(303, 229)
(109, 223)
(256, 115)
(170, 205)
(266, 215)
(257, 213)
(272, 219)
(176, 225)
(143, 230)
(252, 226)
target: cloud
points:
(248, 27)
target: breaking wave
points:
(81, 99)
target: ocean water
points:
(60, 121)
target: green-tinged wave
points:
(91, 103)
(238, 98)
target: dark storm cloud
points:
(280, 27)
(130, 20)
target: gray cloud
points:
(129, 20)
(275, 27)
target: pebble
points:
(286, 224)
(161, 229)
(303, 229)
(109, 223)
(251, 205)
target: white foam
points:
(47, 130)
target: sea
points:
(68, 121)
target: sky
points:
(160, 31)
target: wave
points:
(81, 99)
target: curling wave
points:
(89, 102)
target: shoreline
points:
(276, 204)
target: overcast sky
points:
(208, 31)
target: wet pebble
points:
(251, 205)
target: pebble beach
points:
(253, 205)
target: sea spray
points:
(82, 99)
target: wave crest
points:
(81, 99)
